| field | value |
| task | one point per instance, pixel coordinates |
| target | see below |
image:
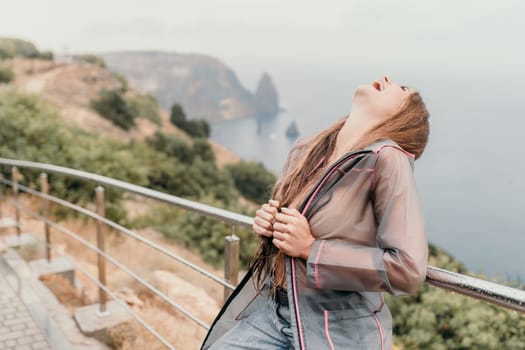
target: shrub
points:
(201, 234)
(112, 105)
(5, 53)
(32, 131)
(6, 74)
(92, 59)
(194, 128)
(437, 319)
(191, 170)
(175, 146)
(10, 48)
(177, 115)
(197, 128)
(202, 149)
(172, 145)
(252, 180)
(46, 55)
(124, 85)
(145, 106)
(17, 47)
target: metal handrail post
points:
(1, 196)
(44, 186)
(101, 261)
(14, 175)
(231, 261)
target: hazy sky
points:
(472, 37)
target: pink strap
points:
(396, 147)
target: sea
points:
(471, 177)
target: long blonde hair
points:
(409, 128)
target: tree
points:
(112, 105)
(252, 180)
(5, 53)
(202, 149)
(194, 128)
(177, 115)
(6, 74)
(173, 146)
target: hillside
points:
(204, 85)
(70, 86)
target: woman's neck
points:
(355, 127)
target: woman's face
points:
(381, 99)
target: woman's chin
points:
(365, 90)
(362, 95)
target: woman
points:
(345, 226)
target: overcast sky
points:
(466, 36)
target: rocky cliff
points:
(205, 86)
(266, 99)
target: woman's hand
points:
(265, 218)
(291, 233)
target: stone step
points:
(14, 241)
(52, 317)
(6, 223)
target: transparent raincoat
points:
(365, 215)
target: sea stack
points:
(266, 99)
(292, 131)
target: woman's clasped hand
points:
(288, 228)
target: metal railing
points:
(504, 296)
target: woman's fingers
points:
(265, 218)
(274, 203)
(282, 236)
(261, 231)
(271, 210)
(279, 226)
(285, 218)
(281, 245)
(263, 223)
(291, 212)
(264, 215)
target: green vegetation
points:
(112, 105)
(122, 110)
(194, 128)
(124, 85)
(435, 319)
(5, 54)
(10, 48)
(203, 235)
(173, 146)
(145, 106)
(31, 131)
(6, 74)
(46, 55)
(252, 180)
(92, 59)
(192, 171)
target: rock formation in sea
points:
(266, 99)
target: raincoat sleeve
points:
(398, 262)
